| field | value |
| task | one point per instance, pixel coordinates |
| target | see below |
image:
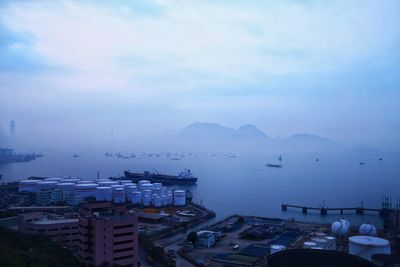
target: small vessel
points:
(280, 158)
(108, 154)
(75, 155)
(184, 177)
(362, 163)
(380, 159)
(175, 158)
(317, 159)
(274, 165)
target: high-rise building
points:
(108, 234)
(12, 128)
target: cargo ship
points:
(183, 178)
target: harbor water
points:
(244, 184)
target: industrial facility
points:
(73, 191)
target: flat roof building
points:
(61, 229)
(108, 233)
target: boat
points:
(280, 158)
(274, 165)
(183, 178)
(75, 155)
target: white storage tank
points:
(366, 246)
(125, 181)
(53, 179)
(115, 186)
(170, 199)
(367, 229)
(340, 228)
(119, 195)
(157, 201)
(179, 197)
(136, 197)
(70, 180)
(142, 182)
(104, 193)
(86, 182)
(85, 190)
(43, 185)
(107, 183)
(146, 187)
(146, 200)
(277, 248)
(129, 191)
(28, 186)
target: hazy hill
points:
(213, 130)
(310, 143)
(215, 137)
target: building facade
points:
(61, 229)
(108, 234)
(45, 197)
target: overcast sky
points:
(330, 68)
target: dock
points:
(324, 211)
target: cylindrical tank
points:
(104, 193)
(146, 200)
(86, 182)
(340, 228)
(157, 186)
(170, 199)
(107, 183)
(146, 187)
(367, 229)
(366, 246)
(125, 181)
(115, 186)
(157, 201)
(277, 248)
(142, 182)
(28, 186)
(85, 190)
(53, 179)
(119, 195)
(164, 200)
(136, 197)
(179, 197)
(42, 185)
(321, 242)
(129, 191)
(70, 180)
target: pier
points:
(324, 211)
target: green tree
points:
(192, 237)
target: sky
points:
(77, 69)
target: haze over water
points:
(78, 75)
(244, 185)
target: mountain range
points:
(204, 135)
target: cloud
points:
(182, 45)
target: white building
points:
(206, 238)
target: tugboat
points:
(183, 178)
(276, 165)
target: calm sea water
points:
(245, 185)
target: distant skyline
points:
(77, 69)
